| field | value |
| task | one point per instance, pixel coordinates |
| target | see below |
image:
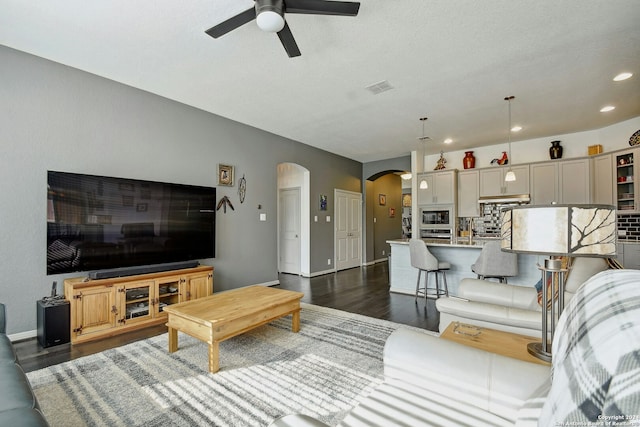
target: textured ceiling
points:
(453, 61)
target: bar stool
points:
(493, 263)
(424, 260)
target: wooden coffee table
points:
(492, 340)
(224, 315)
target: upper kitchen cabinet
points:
(441, 188)
(574, 181)
(626, 181)
(492, 181)
(544, 183)
(566, 181)
(602, 180)
(468, 193)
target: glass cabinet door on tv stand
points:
(137, 304)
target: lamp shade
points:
(569, 230)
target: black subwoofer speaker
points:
(53, 322)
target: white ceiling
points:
(453, 61)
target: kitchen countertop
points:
(433, 242)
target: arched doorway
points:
(293, 219)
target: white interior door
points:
(348, 231)
(289, 238)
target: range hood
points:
(513, 198)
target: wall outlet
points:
(329, 261)
(383, 251)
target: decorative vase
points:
(469, 161)
(555, 151)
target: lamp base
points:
(536, 350)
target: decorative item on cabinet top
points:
(504, 160)
(469, 160)
(595, 149)
(635, 138)
(555, 151)
(441, 161)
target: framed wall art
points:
(225, 175)
(382, 199)
(323, 202)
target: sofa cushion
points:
(23, 417)
(15, 389)
(583, 268)
(398, 403)
(596, 360)
(491, 313)
(7, 353)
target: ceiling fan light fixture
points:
(270, 15)
(270, 21)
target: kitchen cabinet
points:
(492, 181)
(468, 193)
(106, 307)
(626, 176)
(574, 181)
(603, 181)
(544, 183)
(441, 188)
(629, 254)
(566, 181)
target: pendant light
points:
(510, 176)
(423, 182)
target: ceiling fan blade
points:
(289, 43)
(232, 23)
(322, 7)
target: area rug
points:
(323, 371)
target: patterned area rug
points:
(324, 370)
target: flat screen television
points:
(98, 222)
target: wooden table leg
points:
(295, 321)
(214, 357)
(173, 339)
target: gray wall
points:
(371, 171)
(58, 118)
(386, 227)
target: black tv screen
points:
(98, 222)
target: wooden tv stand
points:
(106, 307)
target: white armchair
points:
(505, 307)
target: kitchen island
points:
(461, 255)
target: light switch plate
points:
(263, 217)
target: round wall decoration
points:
(635, 138)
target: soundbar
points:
(142, 269)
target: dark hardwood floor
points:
(363, 290)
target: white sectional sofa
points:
(430, 381)
(506, 307)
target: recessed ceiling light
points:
(516, 129)
(607, 108)
(622, 76)
(448, 141)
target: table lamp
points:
(557, 230)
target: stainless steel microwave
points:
(437, 217)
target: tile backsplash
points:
(629, 227)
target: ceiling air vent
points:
(379, 87)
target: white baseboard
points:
(322, 273)
(23, 335)
(271, 283)
(376, 261)
(401, 291)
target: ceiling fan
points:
(269, 15)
